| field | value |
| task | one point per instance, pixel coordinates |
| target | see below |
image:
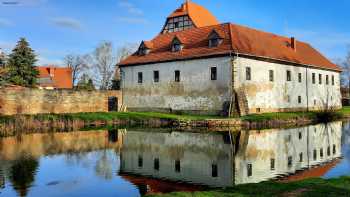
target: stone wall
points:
(35, 101)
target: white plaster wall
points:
(195, 91)
(269, 96)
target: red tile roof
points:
(57, 77)
(237, 39)
(199, 15)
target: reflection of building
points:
(267, 154)
(208, 158)
(2, 179)
(190, 157)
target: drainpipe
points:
(307, 89)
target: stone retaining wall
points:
(35, 101)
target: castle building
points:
(199, 65)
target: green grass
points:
(109, 116)
(311, 187)
(139, 116)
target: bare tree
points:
(346, 71)
(103, 63)
(77, 64)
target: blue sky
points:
(55, 28)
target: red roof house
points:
(51, 77)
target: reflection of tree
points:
(22, 173)
(103, 166)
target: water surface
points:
(134, 162)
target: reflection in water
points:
(134, 162)
(22, 173)
(222, 159)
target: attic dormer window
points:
(215, 39)
(176, 45)
(143, 49)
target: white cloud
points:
(4, 22)
(130, 8)
(133, 20)
(67, 22)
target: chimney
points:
(293, 43)
(52, 71)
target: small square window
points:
(156, 164)
(140, 161)
(156, 76)
(328, 151)
(315, 155)
(290, 161)
(139, 77)
(214, 170)
(271, 75)
(213, 73)
(177, 76)
(248, 73)
(289, 75)
(249, 170)
(177, 166)
(272, 164)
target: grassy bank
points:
(311, 187)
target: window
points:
(328, 151)
(300, 157)
(156, 164)
(333, 80)
(327, 80)
(315, 155)
(290, 161)
(289, 75)
(139, 77)
(176, 47)
(214, 170)
(248, 73)
(320, 78)
(271, 77)
(272, 164)
(300, 136)
(288, 99)
(334, 149)
(213, 73)
(299, 99)
(249, 170)
(321, 152)
(177, 166)
(140, 161)
(156, 76)
(177, 76)
(214, 39)
(299, 77)
(313, 78)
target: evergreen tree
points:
(85, 83)
(21, 69)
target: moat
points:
(134, 162)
